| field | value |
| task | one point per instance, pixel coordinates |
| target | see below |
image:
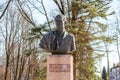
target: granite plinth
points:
(59, 67)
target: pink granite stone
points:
(59, 67)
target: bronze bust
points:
(58, 41)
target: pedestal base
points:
(59, 67)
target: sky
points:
(50, 7)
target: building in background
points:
(115, 73)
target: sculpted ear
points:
(65, 19)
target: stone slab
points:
(59, 67)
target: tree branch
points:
(26, 16)
(5, 9)
(59, 6)
(46, 15)
(62, 5)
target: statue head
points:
(60, 23)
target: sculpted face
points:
(59, 20)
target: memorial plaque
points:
(59, 67)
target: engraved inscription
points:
(59, 67)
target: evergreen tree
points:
(104, 74)
(82, 22)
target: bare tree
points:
(27, 16)
(21, 58)
(16, 46)
(117, 35)
(107, 52)
(107, 44)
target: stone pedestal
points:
(59, 67)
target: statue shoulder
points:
(49, 34)
(70, 35)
